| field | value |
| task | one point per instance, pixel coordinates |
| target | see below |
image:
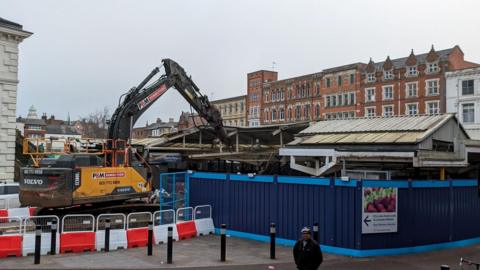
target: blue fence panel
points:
(429, 212)
(302, 205)
(211, 192)
(466, 209)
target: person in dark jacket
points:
(307, 252)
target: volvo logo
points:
(33, 181)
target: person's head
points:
(306, 233)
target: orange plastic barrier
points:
(10, 245)
(137, 237)
(186, 230)
(77, 242)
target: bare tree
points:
(95, 124)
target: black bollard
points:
(223, 242)
(38, 243)
(150, 238)
(272, 241)
(53, 238)
(170, 245)
(107, 235)
(444, 267)
(315, 231)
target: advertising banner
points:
(379, 213)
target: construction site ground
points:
(204, 253)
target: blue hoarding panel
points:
(429, 212)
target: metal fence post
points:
(170, 245)
(272, 241)
(315, 231)
(53, 238)
(223, 242)
(38, 243)
(107, 235)
(150, 238)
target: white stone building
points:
(463, 98)
(11, 34)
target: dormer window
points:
(388, 74)
(370, 77)
(412, 71)
(432, 67)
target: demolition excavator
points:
(114, 171)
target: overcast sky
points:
(84, 54)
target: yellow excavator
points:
(114, 171)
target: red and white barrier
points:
(11, 239)
(137, 229)
(118, 233)
(161, 221)
(203, 220)
(81, 233)
(185, 223)
(29, 227)
(77, 233)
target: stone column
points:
(11, 34)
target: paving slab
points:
(204, 253)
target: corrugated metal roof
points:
(356, 138)
(377, 124)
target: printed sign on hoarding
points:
(379, 210)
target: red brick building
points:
(255, 82)
(410, 85)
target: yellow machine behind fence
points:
(80, 176)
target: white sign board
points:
(379, 210)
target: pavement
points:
(204, 253)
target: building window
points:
(241, 107)
(468, 113)
(327, 82)
(432, 88)
(387, 111)
(267, 115)
(282, 94)
(352, 98)
(274, 114)
(289, 114)
(339, 100)
(432, 67)
(370, 112)
(352, 78)
(433, 107)
(345, 99)
(236, 107)
(306, 111)
(339, 80)
(412, 109)
(370, 77)
(411, 89)
(298, 112)
(317, 111)
(412, 71)
(241, 122)
(467, 87)
(333, 100)
(388, 92)
(370, 94)
(317, 87)
(282, 114)
(388, 75)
